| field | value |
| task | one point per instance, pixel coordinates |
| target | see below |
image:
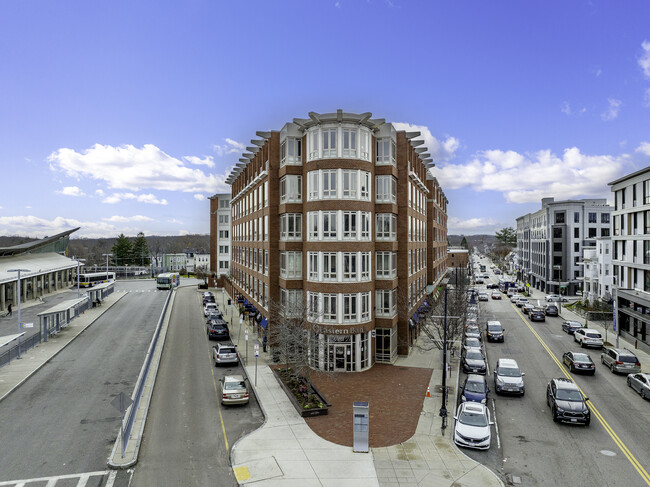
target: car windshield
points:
(581, 357)
(568, 395)
(627, 358)
(594, 335)
(472, 418)
(226, 350)
(474, 355)
(472, 329)
(234, 385)
(509, 372)
(475, 386)
(494, 328)
(472, 342)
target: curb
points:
(60, 349)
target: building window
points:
(364, 144)
(386, 189)
(559, 217)
(329, 184)
(365, 266)
(576, 232)
(592, 233)
(604, 232)
(223, 249)
(350, 184)
(349, 142)
(291, 151)
(223, 234)
(365, 306)
(312, 262)
(312, 224)
(385, 151)
(291, 302)
(576, 217)
(291, 226)
(329, 307)
(576, 247)
(365, 185)
(312, 185)
(291, 189)
(350, 225)
(224, 204)
(329, 225)
(329, 143)
(557, 246)
(349, 266)
(313, 142)
(557, 233)
(291, 265)
(604, 218)
(386, 265)
(350, 307)
(224, 218)
(592, 218)
(329, 266)
(365, 225)
(386, 226)
(386, 302)
(646, 192)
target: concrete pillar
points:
(2, 297)
(56, 280)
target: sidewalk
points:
(18, 371)
(624, 340)
(284, 451)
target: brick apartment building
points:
(339, 215)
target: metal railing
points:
(25, 344)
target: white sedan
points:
(472, 428)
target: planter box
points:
(305, 413)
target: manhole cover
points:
(608, 453)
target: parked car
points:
(474, 361)
(527, 307)
(494, 332)
(479, 280)
(496, 295)
(640, 383)
(473, 332)
(214, 315)
(556, 298)
(471, 343)
(492, 285)
(511, 291)
(537, 314)
(209, 308)
(579, 362)
(588, 337)
(472, 428)
(521, 301)
(483, 296)
(620, 360)
(224, 354)
(514, 297)
(233, 390)
(508, 377)
(208, 298)
(570, 326)
(551, 310)
(217, 330)
(567, 402)
(475, 389)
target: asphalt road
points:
(188, 434)
(61, 422)
(529, 444)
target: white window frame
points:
(350, 184)
(313, 186)
(330, 224)
(330, 258)
(313, 264)
(330, 142)
(350, 266)
(386, 187)
(350, 225)
(313, 225)
(288, 220)
(350, 142)
(350, 308)
(291, 265)
(329, 179)
(291, 189)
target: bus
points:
(505, 284)
(168, 281)
(89, 279)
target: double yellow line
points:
(632, 459)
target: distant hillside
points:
(478, 241)
(92, 249)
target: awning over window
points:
(264, 323)
(415, 317)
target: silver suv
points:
(620, 360)
(508, 377)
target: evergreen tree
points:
(122, 250)
(507, 236)
(140, 250)
(463, 243)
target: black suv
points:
(494, 332)
(551, 310)
(217, 330)
(567, 402)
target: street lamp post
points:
(78, 262)
(107, 256)
(20, 324)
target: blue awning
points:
(415, 317)
(263, 323)
(245, 301)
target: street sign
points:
(246, 334)
(28, 325)
(257, 350)
(121, 402)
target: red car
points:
(496, 295)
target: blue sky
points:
(121, 117)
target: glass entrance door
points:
(339, 357)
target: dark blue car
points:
(475, 389)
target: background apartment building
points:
(598, 272)
(631, 259)
(550, 242)
(336, 214)
(220, 238)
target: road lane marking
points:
(496, 426)
(51, 481)
(216, 393)
(628, 454)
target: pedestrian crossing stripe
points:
(51, 481)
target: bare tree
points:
(202, 272)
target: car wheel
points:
(643, 396)
(555, 418)
(587, 422)
(573, 369)
(611, 368)
(602, 360)
(629, 382)
(582, 344)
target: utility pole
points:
(443, 409)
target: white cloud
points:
(132, 168)
(197, 161)
(230, 147)
(646, 98)
(134, 218)
(99, 192)
(644, 60)
(597, 72)
(613, 107)
(644, 148)
(71, 191)
(141, 198)
(476, 225)
(566, 108)
(199, 197)
(440, 150)
(174, 220)
(183, 232)
(35, 227)
(528, 178)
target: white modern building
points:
(220, 235)
(550, 242)
(631, 255)
(598, 278)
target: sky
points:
(124, 117)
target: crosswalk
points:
(82, 479)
